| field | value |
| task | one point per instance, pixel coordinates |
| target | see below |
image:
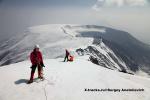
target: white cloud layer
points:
(119, 3)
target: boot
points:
(40, 73)
(31, 78)
(30, 81)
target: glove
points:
(42, 64)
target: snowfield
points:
(68, 81)
(110, 48)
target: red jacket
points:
(36, 57)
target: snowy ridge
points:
(51, 38)
(106, 51)
(68, 81)
(104, 56)
(114, 52)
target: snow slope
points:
(52, 40)
(68, 80)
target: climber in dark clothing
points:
(67, 56)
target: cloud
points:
(119, 3)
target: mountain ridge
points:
(55, 38)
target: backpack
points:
(71, 58)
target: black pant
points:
(40, 71)
(66, 57)
(34, 68)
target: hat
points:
(36, 46)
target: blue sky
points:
(129, 15)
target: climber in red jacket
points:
(37, 61)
